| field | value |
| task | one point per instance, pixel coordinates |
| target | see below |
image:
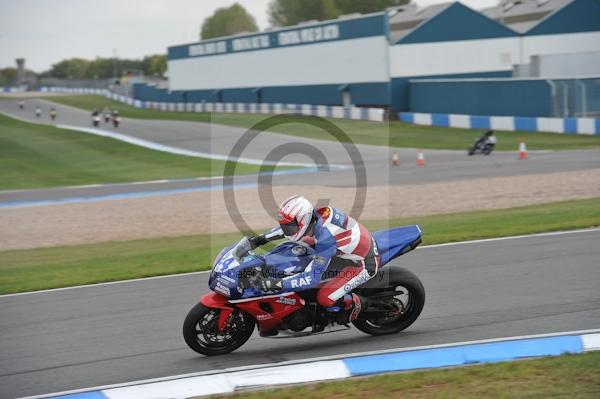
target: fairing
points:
(233, 279)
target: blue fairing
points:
(394, 242)
(290, 258)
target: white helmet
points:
(295, 216)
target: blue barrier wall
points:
(482, 97)
(400, 87)
(144, 92)
(372, 94)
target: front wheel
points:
(201, 332)
(393, 307)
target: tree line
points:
(103, 68)
(235, 19)
(99, 68)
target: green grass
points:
(395, 134)
(567, 376)
(42, 268)
(38, 156)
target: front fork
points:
(214, 300)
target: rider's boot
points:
(352, 305)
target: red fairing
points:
(214, 300)
(282, 306)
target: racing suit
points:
(346, 256)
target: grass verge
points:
(39, 156)
(567, 376)
(43, 268)
(395, 134)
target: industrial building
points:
(529, 58)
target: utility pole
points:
(114, 65)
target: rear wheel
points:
(201, 331)
(393, 308)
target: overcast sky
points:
(47, 31)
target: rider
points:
(345, 257)
(488, 139)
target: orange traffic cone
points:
(522, 150)
(421, 158)
(395, 159)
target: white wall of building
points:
(444, 58)
(486, 55)
(569, 65)
(335, 62)
(559, 44)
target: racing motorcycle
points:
(225, 319)
(484, 144)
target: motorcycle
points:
(482, 146)
(224, 319)
(96, 120)
(116, 121)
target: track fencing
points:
(575, 97)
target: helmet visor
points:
(290, 229)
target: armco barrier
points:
(324, 369)
(356, 113)
(510, 123)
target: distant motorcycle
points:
(96, 120)
(116, 120)
(484, 145)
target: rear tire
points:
(201, 332)
(409, 287)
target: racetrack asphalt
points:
(442, 165)
(82, 337)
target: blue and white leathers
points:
(325, 249)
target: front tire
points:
(201, 332)
(405, 307)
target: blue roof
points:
(576, 16)
(456, 22)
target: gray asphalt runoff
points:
(107, 334)
(442, 165)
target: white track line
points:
(549, 234)
(178, 151)
(310, 360)
(166, 148)
(555, 233)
